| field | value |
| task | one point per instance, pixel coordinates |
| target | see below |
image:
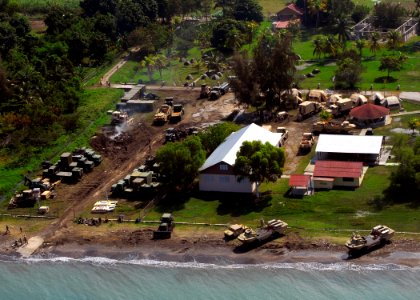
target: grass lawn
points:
(340, 209)
(175, 73)
(407, 78)
(92, 111)
(41, 6)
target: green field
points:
(338, 209)
(42, 6)
(407, 78)
(174, 74)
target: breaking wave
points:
(301, 266)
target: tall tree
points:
(180, 161)
(343, 27)
(318, 47)
(360, 44)
(213, 136)
(244, 84)
(348, 73)
(331, 46)
(149, 62)
(316, 7)
(374, 45)
(413, 124)
(259, 162)
(160, 63)
(394, 39)
(247, 10)
(390, 64)
(274, 65)
(389, 14)
(226, 6)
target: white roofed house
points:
(216, 174)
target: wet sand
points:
(212, 249)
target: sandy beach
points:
(211, 248)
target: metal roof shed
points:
(350, 144)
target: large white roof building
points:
(365, 148)
(217, 175)
(226, 152)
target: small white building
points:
(363, 148)
(216, 174)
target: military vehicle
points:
(307, 109)
(162, 114)
(306, 142)
(214, 94)
(284, 136)
(205, 91)
(119, 117)
(177, 112)
(165, 228)
(24, 198)
(234, 231)
(380, 234)
(264, 232)
(341, 107)
(333, 127)
(317, 96)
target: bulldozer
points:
(163, 114)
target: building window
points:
(348, 179)
(223, 167)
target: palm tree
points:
(149, 62)
(234, 39)
(360, 44)
(318, 47)
(394, 39)
(316, 7)
(374, 45)
(160, 63)
(342, 28)
(413, 124)
(331, 46)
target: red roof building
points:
(302, 181)
(291, 14)
(328, 173)
(369, 115)
(300, 185)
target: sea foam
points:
(301, 266)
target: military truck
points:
(177, 113)
(24, 198)
(214, 94)
(341, 107)
(284, 136)
(205, 91)
(162, 114)
(333, 127)
(165, 228)
(306, 142)
(317, 96)
(307, 109)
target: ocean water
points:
(101, 278)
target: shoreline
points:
(211, 249)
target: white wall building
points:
(216, 174)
